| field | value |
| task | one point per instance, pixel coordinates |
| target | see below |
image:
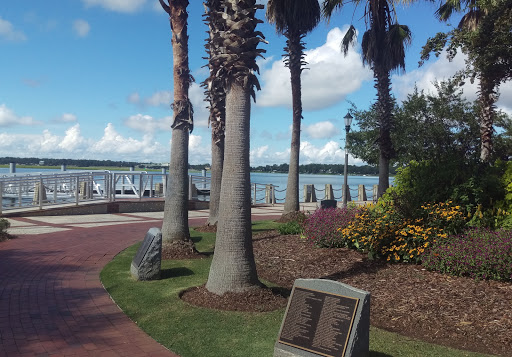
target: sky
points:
(92, 79)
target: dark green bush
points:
(4, 225)
(292, 227)
(468, 184)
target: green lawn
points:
(192, 331)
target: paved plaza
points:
(52, 302)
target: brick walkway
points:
(52, 302)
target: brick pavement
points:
(52, 302)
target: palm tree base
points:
(180, 249)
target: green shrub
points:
(465, 183)
(292, 227)
(4, 225)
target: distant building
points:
(41, 162)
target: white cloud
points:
(148, 124)
(321, 130)
(330, 153)
(72, 144)
(9, 118)
(67, 118)
(8, 33)
(259, 152)
(330, 77)
(73, 140)
(125, 6)
(81, 27)
(164, 98)
(201, 113)
(134, 98)
(199, 152)
(115, 143)
(159, 98)
(505, 101)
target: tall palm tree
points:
(175, 228)
(383, 49)
(233, 268)
(294, 19)
(483, 33)
(216, 95)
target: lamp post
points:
(348, 121)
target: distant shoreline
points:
(126, 168)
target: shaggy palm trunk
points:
(384, 105)
(294, 63)
(216, 179)
(175, 223)
(233, 268)
(487, 100)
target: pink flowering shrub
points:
(323, 227)
(479, 253)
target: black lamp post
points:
(348, 121)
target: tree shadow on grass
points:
(379, 354)
(175, 272)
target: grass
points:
(192, 331)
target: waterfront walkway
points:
(52, 302)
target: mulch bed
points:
(180, 250)
(407, 299)
(255, 300)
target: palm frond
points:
(300, 16)
(349, 39)
(446, 10)
(368, 47)
(329, 6)
(471, 20)
(398, 38)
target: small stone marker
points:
(325, 318)
(328, 204)
(147, 262)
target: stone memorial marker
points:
(325, 318)
(147, 262)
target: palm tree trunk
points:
(233, 268)
(384, 105)
(294, 63)
(487, 99)
(216, 179)
(175, 223)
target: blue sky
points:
(92, 79)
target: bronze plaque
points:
(319, 322)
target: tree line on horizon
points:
(276, 168)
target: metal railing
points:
(24, 191)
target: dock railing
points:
(75, 188)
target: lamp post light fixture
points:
(348, 121)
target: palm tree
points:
(233, 268)
(294, 19)
(216, 95)
(383, 47)
(483, 33)
(175, 224)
